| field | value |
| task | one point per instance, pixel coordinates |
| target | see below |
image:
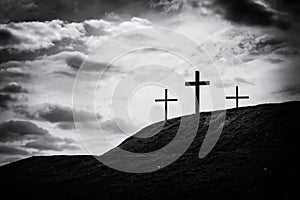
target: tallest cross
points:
(197, 85)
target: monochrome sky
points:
(43, 44)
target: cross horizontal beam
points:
(197, 83)
(160, 100)
(240, 97)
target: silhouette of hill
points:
(254, 158)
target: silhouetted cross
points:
(166, 103)
(237, 97)
(197, 85)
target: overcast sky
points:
(253, 44)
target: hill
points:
(254, 158)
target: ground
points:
(254, 158)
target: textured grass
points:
(255, 158)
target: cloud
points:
(73, 10)
(58, 40)
(74, 59)
(292, 90)
(20, 139)
(33, 136)
(66, 125)
(275, 60)
(6, 99)
(11, 76)
(13, 87)
(282, 14)
(14, 71)
(20, 130)
(243, 80)
(55, 113)
(6, 38)
(52, 144)
(11, 150)
(248, 12)
(33, 36)
(9, 95)
(262, 44)
(62, 116)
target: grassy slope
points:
(255, 158)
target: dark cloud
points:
(5, 100)
(20, 130)
(11, 150)
(13, 87)
(94, 31)
(33, 136)
(62, 116)
(13, 71)
(74, 59)
(282, 14)
(248, 12)
(6, 37)
(64, 73)
(70, 10)
(292, 90)
(66, 125)
(275, 60)
(287, 51)
(10, 76)
(291, 7)
(55, 113)
(263, 45)
(64, 44)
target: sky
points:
(78, 77)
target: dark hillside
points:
(255, 158)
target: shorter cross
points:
(166, 103)
(237, 97)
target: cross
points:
(237, 97)
(166, 103)
(197, 85)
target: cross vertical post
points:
(165, 100)
(197, 85)
(166, 104)
(197, 91)
(237, 97)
